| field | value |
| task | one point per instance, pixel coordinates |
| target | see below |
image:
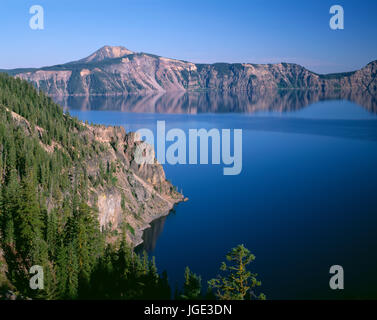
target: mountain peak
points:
(107, 52)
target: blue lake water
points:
(304, 201)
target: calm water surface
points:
(304, 201)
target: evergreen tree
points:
(72, 266)
(29, 224)
(9, 206)
(61, 271)
(192, 285)
(238, 283)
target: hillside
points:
(67, 189)
(119, 71)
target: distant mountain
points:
(119, 71)
(106, 52)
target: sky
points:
(205, 31)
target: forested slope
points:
(56, 178)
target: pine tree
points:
(72, 267)
(28, 220)
(238, 283)
(61, 271)
(192, 285)
(9, 207)
(52, 232)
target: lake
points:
(304, 201)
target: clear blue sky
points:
(256, 31)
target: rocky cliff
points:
(141, 192)
(119, 71)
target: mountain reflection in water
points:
(215, 101)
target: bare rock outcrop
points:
(140, 192)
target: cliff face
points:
(141, 192)
(117, 70)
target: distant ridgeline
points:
(119, 71)
(73, 201)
